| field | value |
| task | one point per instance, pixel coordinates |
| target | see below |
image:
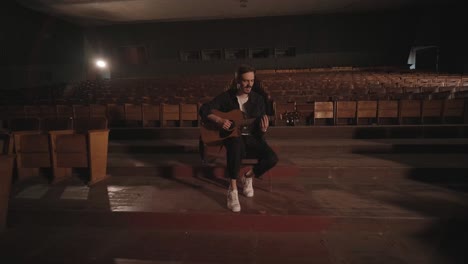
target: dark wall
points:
(454, 40)
(328, 40)
(444, 27)
(38, 49)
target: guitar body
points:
(211, 133)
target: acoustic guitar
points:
(212, 133)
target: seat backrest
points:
(83, 125)
(24, 124)
(71, 150)
(367, 109)
(133, 112)
(410, 108)
(346, 109)
(323, 110)
(48, 124)
(32, 149)
(432, 108)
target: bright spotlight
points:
(101, 64)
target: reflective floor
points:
(338, 202)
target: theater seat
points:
(83, 125)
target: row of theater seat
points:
(373, 112)
(79, 125)
(116, 114)
(58, 152)
(84, 117)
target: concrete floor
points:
(345, 201)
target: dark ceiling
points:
(94, 12)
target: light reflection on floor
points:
(33, 192)
(75, 193)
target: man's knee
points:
(273, 159)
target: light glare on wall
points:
(101, 64)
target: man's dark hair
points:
(243, 69)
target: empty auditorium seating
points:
(172, 100)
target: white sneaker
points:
(248, 187)
(233, 201)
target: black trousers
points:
(248, 146)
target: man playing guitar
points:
(249, 137)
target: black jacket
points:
(227, 101)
